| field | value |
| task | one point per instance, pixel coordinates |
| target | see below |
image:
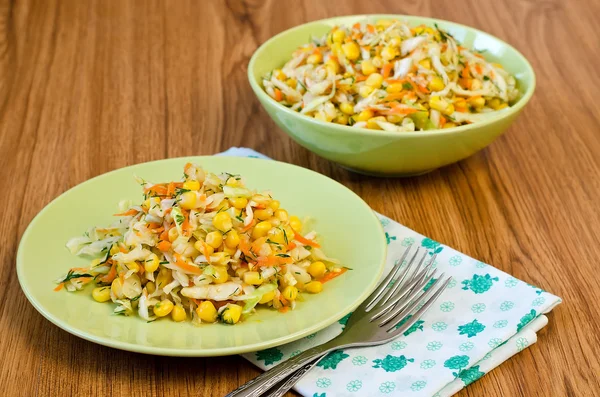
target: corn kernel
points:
(426, 63)
(394, 88)
(377, 61)
(214, 239)
(367, 67)
(320, 116)
(163, 308)
(201, 247)
(261, 229)
(476, 85)
(173, 234)
(206, 312)
(150, 287)
(222, 221)
(191, 185)
(276, 235)
(394, 118)
(219, 273)
(336, 49)
(317, 269)
(281, 214)
(291, 82)
(372, 123)
(364, 115)
(437, 103)
(101, 294)
(117, 288)
(296, 223)
(333, 66)
(151, 263)
(338, 36)
(178, 314)
(314, 58)
(164, 277)
(188, 200)
(342, 119)
(274, 205)
(395, 42)
(384, 23)
(253, 278)
(436, 84)
(290, 293)
(477, 102)
(388, 53)
(347, 108)
(494, 103)
(132, 266)
(449, 125)
(114, 249)
(232, 240)
(239, 202)
(262, 215)
(150, 202)
(374, 80)
(314, 287)
(351, 50)
(231, 313)
(364, 91)
(278, 73)
(268, 297)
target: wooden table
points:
(88, 87)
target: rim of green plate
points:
(343, 129)
(174, 352)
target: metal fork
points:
(380, 318)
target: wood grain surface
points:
(90, 86)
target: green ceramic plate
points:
(349, 230)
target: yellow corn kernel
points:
(263, 215)
(290, 293)
(117, 288)
(239, 202)
(372, 122)
(477, 102)
(268, 297)
(232, 240)
(276, 235)
(394, 88)
(191, 185)
(101, 294)
(222, 221)
(317, 269)
(347, 108)
(173, 234)
(201, 247)
(377, 61)
(342, 119)
(333, 66)
(151, 263)
(497, 65)
(278, 73)
(206, 312)
(419, 29)
(428, 30)
(436, 84)
(315, 58)
(261, 229)
(150, 202)
(338, 36)
(281, 214)
(367, 67)
(384, 23)
(229, 251)
(374, 80)
(164, 277)
(163, 308)
(449, 125)
(114, 249)
(274, 205)
(336, 49)
(437, 103)
(351, 50)
(241, 271)
(388, 53)
(426, 63)
(494, 103)
(395, 42)
(476, 85)
(291, 82)
(188, 200)
(296, 223)
(132, 266)
(253, 278)
(219, 273)
(214, 239)
(502, 106)
(150, 287)
(314, 287)
(394, 118)
(364, 91)
(178, 314)
(364, 115)
(231, 313)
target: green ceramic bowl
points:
(348, 227)
(388, 153)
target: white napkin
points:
(483, 318)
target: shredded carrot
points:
(205, 251)
(59, 287)
(284, 309)
(186, 266)
(400, 110)
(249, 226)
(465, 72)
(478, 69)
(111, 275)
(270, 260)
(164, 246)
(127, 213)
(331, 275)
(278, 95)
(356, 26)
(442, 121)
(291, 246)
(305, 241)
(371, 28)
(395, 96)
(123, 249)
(154, 225)
(423, 89)
(386, 70)
(360, 78)
(164, 235)
(158, 190)
(171, 189)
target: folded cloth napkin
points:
(484, 317)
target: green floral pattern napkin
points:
(483, 318)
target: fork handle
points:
(270, 378)
(293, 379)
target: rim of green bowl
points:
(342, 129)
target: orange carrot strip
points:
(371, 28)
(59, 287)
(291, 246)
(171, 189)
(111, 275)
(386, 70)
(423, 89)
(331, 275)
(278, 95)
(305, 241)
(127, 213)
(249, 226)
(163, 246)
(284, 309)
(186, 266)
